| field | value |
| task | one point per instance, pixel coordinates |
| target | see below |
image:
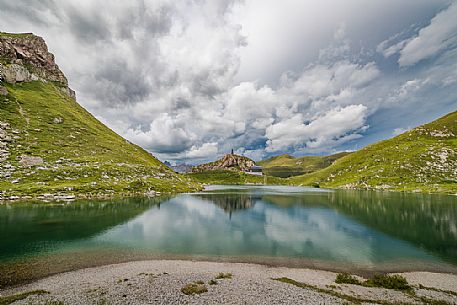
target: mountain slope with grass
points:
(230, 162)
(287, 166)
(423, 159)
(51, 147)
(230, 169)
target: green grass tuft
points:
(387, 281)
(17, 297)
(194, 288)
(395, 281)
(346, 278)
(223, 275)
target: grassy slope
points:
(233, 177)
(286, 165)
(15, 35)
(81, 155)
(423, 159)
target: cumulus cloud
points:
(204, 151)
(165, 133)
(191, 80)
(334, 127)
(438, 36)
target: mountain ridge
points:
(230, 162)
(52, 148)
(286, 165)
(423, 159)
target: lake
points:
(290, 226)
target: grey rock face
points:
(5, 138)
(26, 58)
(228, 162)
(57, 120)
(3, 91)
(30, 160)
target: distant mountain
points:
(52, 147)
(230, 162)
(422, 159)
(179, 167)
(287, 166)
(182, 168)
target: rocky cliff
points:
(25, 58)
(228, 162)
(52, 148)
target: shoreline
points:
(18, 272)
(160, 281)
(66, 198)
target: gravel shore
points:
(161, 281)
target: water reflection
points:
(301, 225)
(28, 228)
(230, 202)
(427, 221)
(360, 228)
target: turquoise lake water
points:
(313, 226)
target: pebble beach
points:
(162, 282)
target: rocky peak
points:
(25, 58)
(228, 162)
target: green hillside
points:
(50, 144)
(220, 176)
(423, 159)
(287, 166)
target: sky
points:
(191, 80)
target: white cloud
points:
(194, 79)
(336, 126)
(204, 151)
(439, 35)
(388, 51)
(165, 133)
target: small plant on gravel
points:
(199, 282)
(17, 297)
(346, 278)
(212, 282)
(102, 302)
(194, 288)
(54, 302)
(395, 281)
(223, 276)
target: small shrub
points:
(223, 276)
(17, 297)
(395, 281)
(54, 302)
(194, 288)
(199, 282)
(346, 278)
(212, 282)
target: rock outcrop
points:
(228, 162)
(3, 91)
(51, 148)
(25, 58)
(5, 139)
